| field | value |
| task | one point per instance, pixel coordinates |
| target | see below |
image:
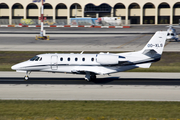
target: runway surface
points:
(80, 42)
(81, 39)
(121, 86)
(88, 92)
(122, 78)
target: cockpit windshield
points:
(36, 58)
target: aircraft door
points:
(54, 62)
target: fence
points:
(62, 22)
(4, 21)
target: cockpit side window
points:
(36, 58)
(32, 59)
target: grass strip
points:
(157, 69)
(88, 110)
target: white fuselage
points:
(80, 63)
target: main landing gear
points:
(90, 76)
(27, 77)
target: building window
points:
(101, 8)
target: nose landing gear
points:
(27, 77)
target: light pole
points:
(42, 32)
(42, 19)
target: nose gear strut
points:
(27, 77)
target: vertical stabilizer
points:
(156, 43)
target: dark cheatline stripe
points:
(126, 63)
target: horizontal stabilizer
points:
(145, 65)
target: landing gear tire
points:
(26, 78)
(90, 77)
(93, 77)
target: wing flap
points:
(84, 71)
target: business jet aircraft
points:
(96, 64)
(172, 35)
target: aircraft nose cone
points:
(19, 66)
(14, 67)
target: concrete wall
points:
(4, 12)
(48, 12)
(61, 12)
(120, 12)
(134, 12)
(177, 12)
(77, 12)
(18, 12)
(164, 12)
(149, 12)
(32, 12)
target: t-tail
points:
(154, 48)
(156, 43)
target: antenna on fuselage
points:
(82, 52)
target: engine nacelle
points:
(105, 59)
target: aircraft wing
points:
(84, 71)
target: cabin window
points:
(69, 59)
(76, 59)
(121, 57)
(83, 59)
(92, 59)
(61, 59)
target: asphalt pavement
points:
(120, 86)
(121, 78)
(81, 39)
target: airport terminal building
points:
(137, 11)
